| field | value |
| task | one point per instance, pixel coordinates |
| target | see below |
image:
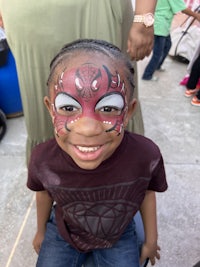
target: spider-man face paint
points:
(89, 91)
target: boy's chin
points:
(88, 165)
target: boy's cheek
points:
(63, 124)
(60, 124)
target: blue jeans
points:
(140, 236)
(161, 49)
(56, 252)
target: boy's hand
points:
(140, 41)
(37, 241)
(150, 251)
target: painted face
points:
(89, 91)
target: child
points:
(94, 176)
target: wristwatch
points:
(146, 19)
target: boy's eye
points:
(68, 108)
(108, 109)
(66, 105)
(111, 104)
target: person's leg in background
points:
(158, 52)
(168, 44)
(196, 99)
(193, 79)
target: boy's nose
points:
(88, 126)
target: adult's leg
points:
(198, 95)
(158, 50)
(194, 74)
(196, 99)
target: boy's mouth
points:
(88, 153)
(87, 149)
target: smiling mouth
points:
(87, 149)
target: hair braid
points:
(93, 45)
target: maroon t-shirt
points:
(93, 207)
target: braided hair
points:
(93, 45)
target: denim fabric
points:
(56, 252)
(161, 49)
(124, 253)
(90, 261)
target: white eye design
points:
(64, 102)
(113, 103)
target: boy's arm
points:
(43, 205)
(148, 212)
(140, 41)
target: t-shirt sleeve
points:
(34, 182)
(158, 181)
(177, 6)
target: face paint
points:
(92, 92)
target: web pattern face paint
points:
(89, 91)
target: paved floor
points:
(173, 124)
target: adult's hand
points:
(140, 41)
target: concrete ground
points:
(173, 124)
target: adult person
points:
(36, 31)
(164, 13)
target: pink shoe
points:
(192, 92)
(184, 80)
(195, 101)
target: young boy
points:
(94, 176)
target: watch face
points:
(148, 20)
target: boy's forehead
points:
(97, 59)
(90, 70)
(89, 79)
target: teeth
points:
(88, 149)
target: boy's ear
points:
(131, 108)
(48, 104)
